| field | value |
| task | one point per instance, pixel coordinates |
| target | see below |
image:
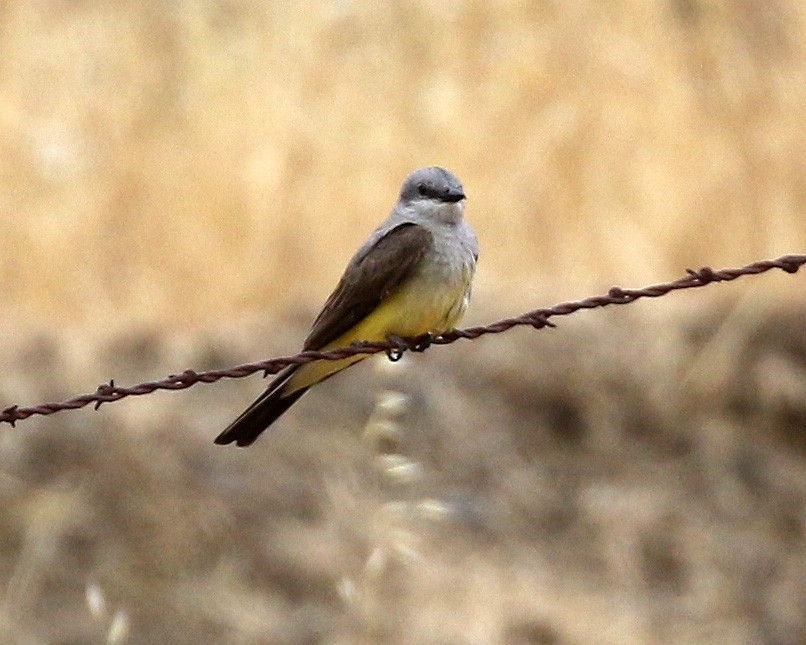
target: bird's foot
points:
(401, 345)
(423, 342)
(394, 354)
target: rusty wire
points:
(538, 318)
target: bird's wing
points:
(368, 281)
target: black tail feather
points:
(265, 410)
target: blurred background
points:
(181, 186)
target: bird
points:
(411, 277)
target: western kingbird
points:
(411, 277)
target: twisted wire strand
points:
(537, 318)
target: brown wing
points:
(368, 281)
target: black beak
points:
(453, 195)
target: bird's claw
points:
(394, 354)
(423, 342)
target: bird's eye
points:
(422, 189)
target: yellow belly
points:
(413, 310)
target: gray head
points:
(431, 185)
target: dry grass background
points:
(182, 183)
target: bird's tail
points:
(266, 409)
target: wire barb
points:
(538, 319)
(105, 390)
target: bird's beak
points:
(454, 195)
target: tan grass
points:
(209, 159)
(635, 476)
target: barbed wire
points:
(538, 318)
